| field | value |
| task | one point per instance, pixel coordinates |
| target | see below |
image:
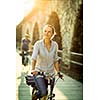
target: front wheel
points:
(34, 97)
(26, 61)
(44, 98)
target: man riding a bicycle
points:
(25, 46)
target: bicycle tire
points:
(34, 97)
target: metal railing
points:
(73, 61)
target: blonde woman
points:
(45, 59)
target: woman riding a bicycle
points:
(45, 59)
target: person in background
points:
(45, 59)
(25, 46)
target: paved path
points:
(69, 89)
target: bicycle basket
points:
(30, 80)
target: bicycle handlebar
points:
(47, 75)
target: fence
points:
(75, 68)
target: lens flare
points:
(23, 7)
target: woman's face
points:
(47, 32)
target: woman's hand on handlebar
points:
(60, 75)
(34, 72)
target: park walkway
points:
(69, 89)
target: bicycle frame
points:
(50, 94)
(25, 58)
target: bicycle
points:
(25, 58)
(30, 81)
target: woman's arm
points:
(56, 58)
(56, 65)
(34, 57)
(33, 64)
(34, 72)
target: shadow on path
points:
(70, 88)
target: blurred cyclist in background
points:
(25, 46)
